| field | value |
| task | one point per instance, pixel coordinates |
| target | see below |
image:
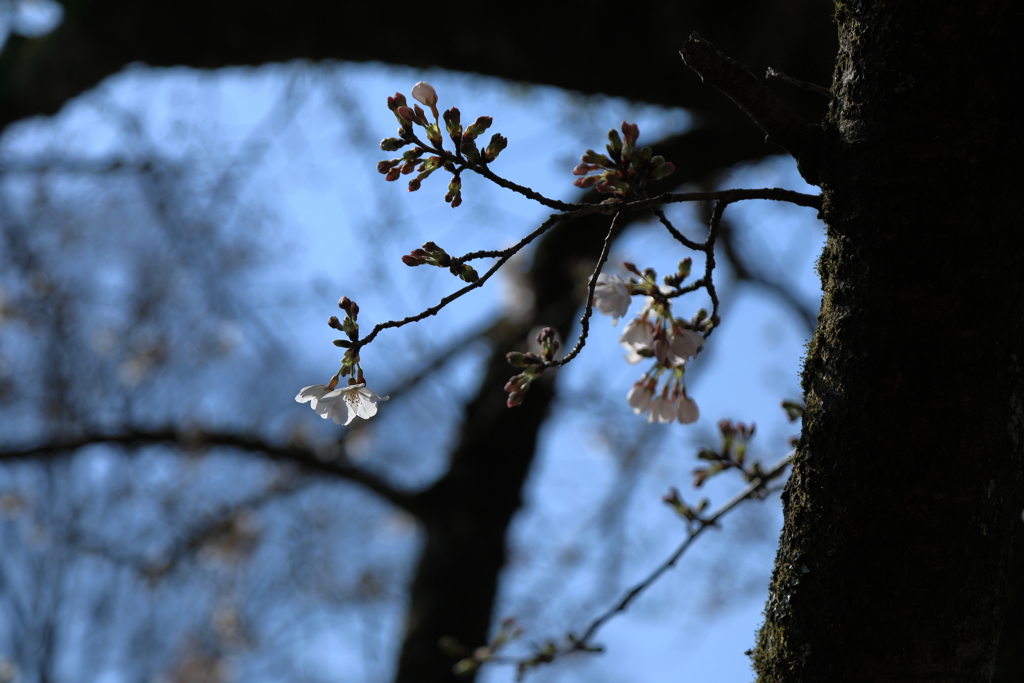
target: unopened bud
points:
(481, 124)
(663, 170)
(397, 101)
(424, 93)
(592, 157)
(334, 323)
(546, 334)
(465, 272)
(630, 133)
(588, 181)
(391, 145)
(468, 148)
(452, 121)
(498, 142)
(350, 307)
(672, 497)
(407, 114)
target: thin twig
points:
(588, 311)
(709, 260)
(580, 211)
(505, 255)
(525, 191)
(680, 237)
(755, 484)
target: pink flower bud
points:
(407, 114)
(424, 93)
(588, 181)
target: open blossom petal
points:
(637, 336)
(361, 402)
(685, 344)
(312, 395)
(687, 410)
(611, 296)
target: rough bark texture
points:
(900, 509)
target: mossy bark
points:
(899, 513)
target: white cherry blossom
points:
(637, 336)
(683, 345)
(314, 395)
(351, 402)
(611, 296)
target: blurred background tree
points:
(168, 512)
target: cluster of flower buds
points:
(655, 334)
(466, 150)
(669, 405)
(691, 513)
(432, 255)
(350, 361)
(731, 454)
(355, 399)
(533, 364)
(626, 170)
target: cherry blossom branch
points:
(503, 256)
(520, 189)
(745, 493)
(777, 194)
(579, 211)
(709, 260)
(679, 237)
(481, 169)
(588, 310)
(297, 453)
(582, 643)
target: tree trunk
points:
(900, 510)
